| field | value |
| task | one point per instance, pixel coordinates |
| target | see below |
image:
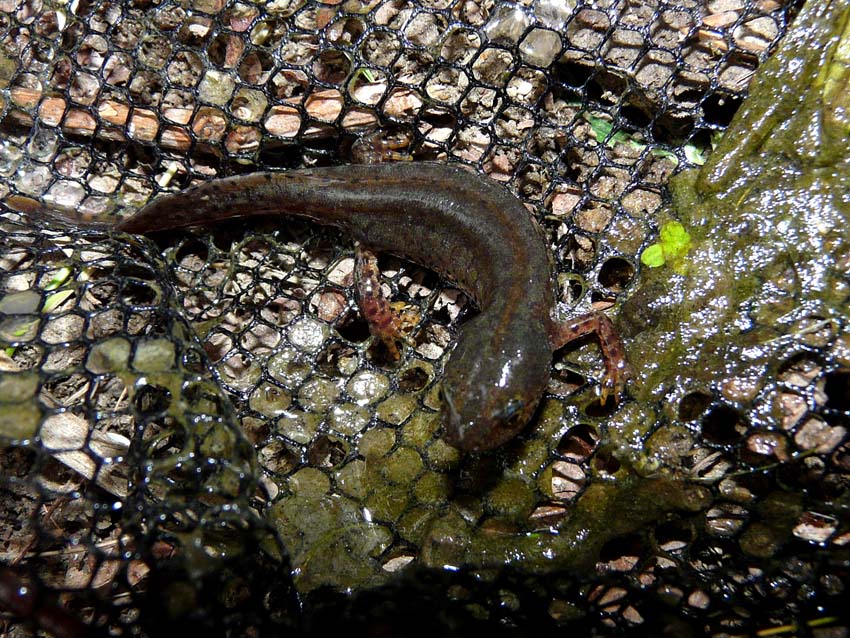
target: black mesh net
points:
(196, 431)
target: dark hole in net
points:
(578, 442)
(531, 185)
(139, 293)
(103, 291)
(324, 149)
(16, 462)
(604, 461)
(674, 535)
(477, 475)
(701, 139)
(622, 548)
(579, 252)
(818, 481)
(693, 405)
(438, 119)
(412, 379)
(327, 451)
(565, 380)
(192, 247)
(837, 389)
(672, 127)
(278, 154)
(152, 401)
(442, 316)
(380, 354)
(258, 430)
(616, 274)
(719, 108)
(349, 29)
(599, 297)
(571, 165)
(62, 386)
(217, 344)
(713, 554)
(331, 66)
(353, 327)
(256, 67)
(574, 75)
(194, 362)
(635, 116)
(217, 50)
(723, 425)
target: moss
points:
(397, 408)
(512, 498)
(309, 482)
(403, 466)
(388, 502)
(376, 442)
(432, 488)
(421, 429)
(351, 479)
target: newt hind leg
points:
(617, 371)
(385, 323)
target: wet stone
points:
(297, 425)
(307, 335)
(318, 395)
(367, 387)
(290, 368)
(269, 399)
(348, 418)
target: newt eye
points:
(512, 410)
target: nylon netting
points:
(197, 433)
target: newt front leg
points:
(617, 371)
(385, 324)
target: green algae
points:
(327, 537)
(19, 421)
(403, 466)
(767, 216)
(154, 355)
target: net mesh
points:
(197, 431)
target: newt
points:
(468, 229)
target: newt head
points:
(489, 394)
